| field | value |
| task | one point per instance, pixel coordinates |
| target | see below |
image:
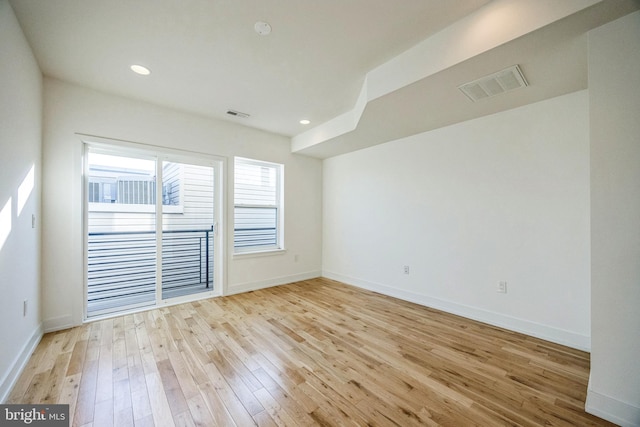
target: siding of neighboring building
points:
(194, 210)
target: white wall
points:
(70, 109)
(20, 150)
(500, 198)
(614, 99)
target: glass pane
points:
(255, 227)
(121, 244)
(187, 229)
(256, 205)
(255, 184)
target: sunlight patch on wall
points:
(26, 188)
(5, 222)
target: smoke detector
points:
(262, 28)
(494, 84)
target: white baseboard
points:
(276, 281)
(19, 363)
(610, 409)
(58, 323)
(65, 322)
(548, 333)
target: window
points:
(136, 191)
(257, 206)
(115, 187)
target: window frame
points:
(257, 250)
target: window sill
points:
(268, 252)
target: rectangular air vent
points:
(237, 114)
(503, 81)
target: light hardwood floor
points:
(310, 353)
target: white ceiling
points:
(206, 58)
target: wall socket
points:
(405, 269)
(502, 287)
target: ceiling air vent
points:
(237, 114)
(503, 81)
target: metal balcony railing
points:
(121, 267)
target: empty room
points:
(285, 212)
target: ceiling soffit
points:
(417, 91)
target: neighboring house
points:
(123, 199)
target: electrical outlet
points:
(502, 287)
(406, 269)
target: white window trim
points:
(261, 253)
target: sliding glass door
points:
(151, 229)
(188, 223)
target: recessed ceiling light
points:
(139, 69)
(305, 122)
(262, 28)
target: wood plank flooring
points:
(310, 353)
